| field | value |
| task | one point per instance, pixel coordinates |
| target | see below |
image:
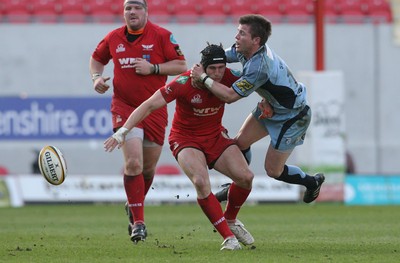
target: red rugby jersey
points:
(157, 45)
(197, 112)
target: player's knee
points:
(248, 180)
(133, 166)
(148, 172)
(200, 183)
(245, 180)
(272, 171)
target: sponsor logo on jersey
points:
(146, 57)
(206, 111)
(196, 99)
(182, 79)
(148, 47)
(126, 62)
(168, 90)
(244, 85)
(120, 48)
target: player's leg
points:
(275, 166)
(232, 164)
(151, 155)
(285, 136)
(134, 183)
(193, 163)
(250, 132)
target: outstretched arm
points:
(172, 68)
(224, 93)
(153, 103)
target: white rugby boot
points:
(241, 233)
(230, 243)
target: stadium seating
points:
(237, 8)
(2, 12)
(331, 11)
(299, 11)
(45, 11)
(379, 11)
(73, 11)
(352, 11)
(17, 11)
(271, 9)
(160, 11)
(104, 11)
(194, 11)
(214, 11)
(186, 11)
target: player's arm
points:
(95, 67)
(172, 67)
(153, 103)
(96, 71)
(224, 93)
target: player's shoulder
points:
(120, 31)
(182, 79)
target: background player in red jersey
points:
(198, 140)
(143, 54)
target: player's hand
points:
(143, 67)
(198, 84)
(266, 109)
(117, 138)
(100, 85)
(196, 72)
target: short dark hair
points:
(259, 26)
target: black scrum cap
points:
(212, 54)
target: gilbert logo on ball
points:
(52, 165)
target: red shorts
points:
(153, 126)
(212, 147)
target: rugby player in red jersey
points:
(198, 140)
(144, 54)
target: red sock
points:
(134, 188)
(236, 197)
(212, 209)
(147, 184)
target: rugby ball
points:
(52, 165)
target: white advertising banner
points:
(175, 189)
(324, 144)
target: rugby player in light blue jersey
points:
(267, 74)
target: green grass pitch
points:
(181, 233)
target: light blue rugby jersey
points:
(268, 75)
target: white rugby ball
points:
(52, 165)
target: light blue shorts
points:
(286, 131)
